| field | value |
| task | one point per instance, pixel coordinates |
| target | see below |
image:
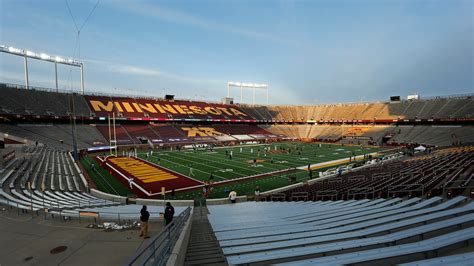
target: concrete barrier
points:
(178, 254)
(159, 202)
(106, 196)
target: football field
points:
(269, 158)
(242, 168)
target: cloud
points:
(133, 70)
(178, 17)
(150, 72)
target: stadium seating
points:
(45, 178)
(42, 103)
(314, 233)
(445, 172)
(240, 129)
(460, 107)
(58, 136)
(442, 135)
(37, 102)
(463, 259)
(48, 103)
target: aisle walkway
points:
(203, 247)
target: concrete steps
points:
(203, 247)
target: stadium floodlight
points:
(44, 57)
(242, 85)
(14, 50)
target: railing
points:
(159, 249)
(326, 194)
(364, 191)
(457, 187)
(406, 189)
(278, 197)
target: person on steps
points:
(169, 213)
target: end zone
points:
(146, 179)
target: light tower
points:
(43, 57)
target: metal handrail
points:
(391, 190)
(159, 248)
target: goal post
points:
(252, 86)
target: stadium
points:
(381, 182)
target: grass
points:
(218, 163)
(103, 179)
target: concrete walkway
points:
(27, 240)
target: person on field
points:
(169, 213)
(211, 178)
(144, 216)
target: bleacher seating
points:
(47, 103)
(446, 172)
(38, 102)
(463, 259)
(58, 136)
(461, 107)
(42, 103)
(442, 135)
(45, 178)
(339, 232)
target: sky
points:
(308, 52)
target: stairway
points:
(203, 247)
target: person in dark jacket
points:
(144, 216)
(169, 213)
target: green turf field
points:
(269, 158)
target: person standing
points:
(169, 213)
(211, 178)
(144, 216)
(233, 196)
(257, 193)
